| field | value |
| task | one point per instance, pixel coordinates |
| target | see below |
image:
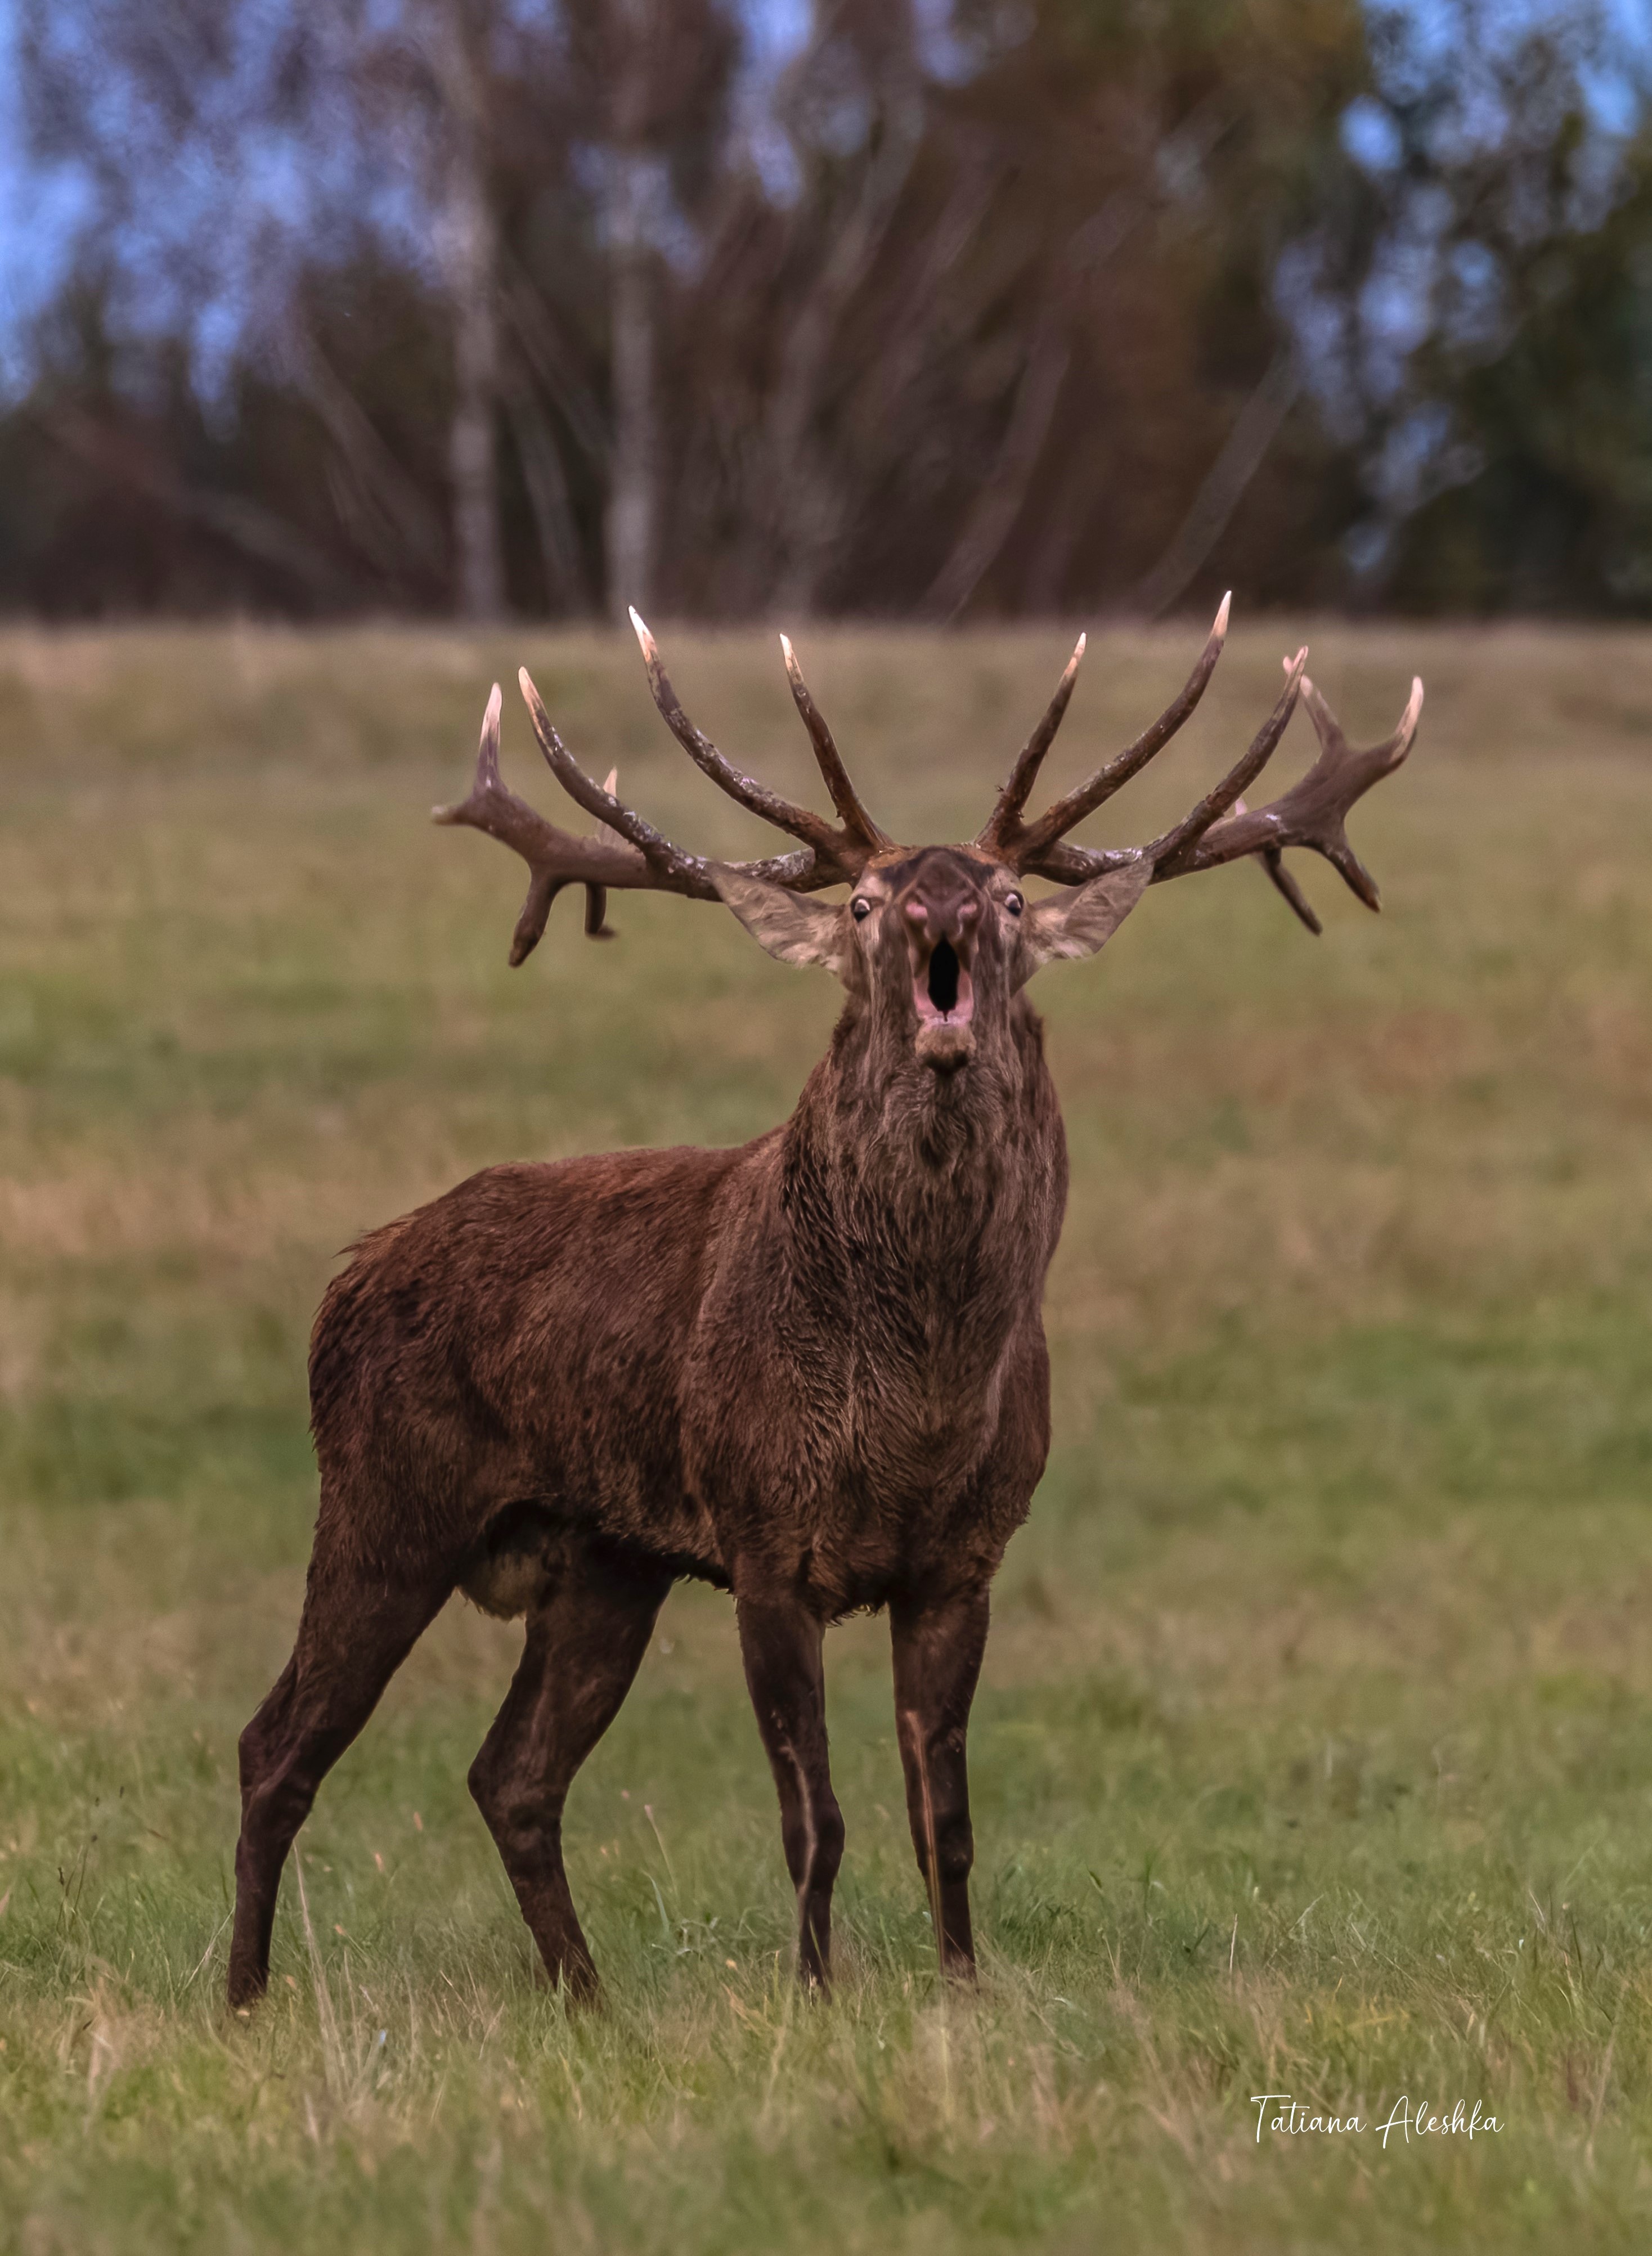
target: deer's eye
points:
(1013, 902)
(860, 910)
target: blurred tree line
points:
(893, 306)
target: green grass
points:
(1314, 1753)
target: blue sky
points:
(39, 214)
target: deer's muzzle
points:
(941, 930)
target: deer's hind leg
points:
(586, 1637)
(356, 1629)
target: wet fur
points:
(589, 1337)
(811, 1370)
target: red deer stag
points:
(811, 1370)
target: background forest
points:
(875, 308)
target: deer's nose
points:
(953, 920)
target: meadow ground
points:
(1314, 1754)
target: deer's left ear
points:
(1080, 922)
(794, 928)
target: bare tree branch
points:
(808, 504)
(1259, 424)
(398, 522)
(1002, 494)
(999, 502)
(545, 353)
(560, 559)
(255, 531)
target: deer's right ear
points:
(792, 928)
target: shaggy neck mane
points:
(944, 1189)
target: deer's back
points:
(521, 1340)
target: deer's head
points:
(934, 943)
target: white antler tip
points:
(785, 651)
(639, 627)
(1409, 719)
(1079, 648)
(491, 719)
(1220, 628)
(612, 784)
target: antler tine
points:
(669, 865)
(1298, 902)
(801, 821)
(1026, 845)
(1004, 821)
(856, 820)
(1177, 844)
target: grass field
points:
(1314, 1754)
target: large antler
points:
(1313, 812)
(626, 852)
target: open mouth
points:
(942, 989)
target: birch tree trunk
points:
(634, 469)
(469, 260)
(631, 528)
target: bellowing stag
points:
(811, 1370)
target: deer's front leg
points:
(937, 1658)
(781, 1644)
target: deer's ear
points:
(792, 928)
(1080, 922)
